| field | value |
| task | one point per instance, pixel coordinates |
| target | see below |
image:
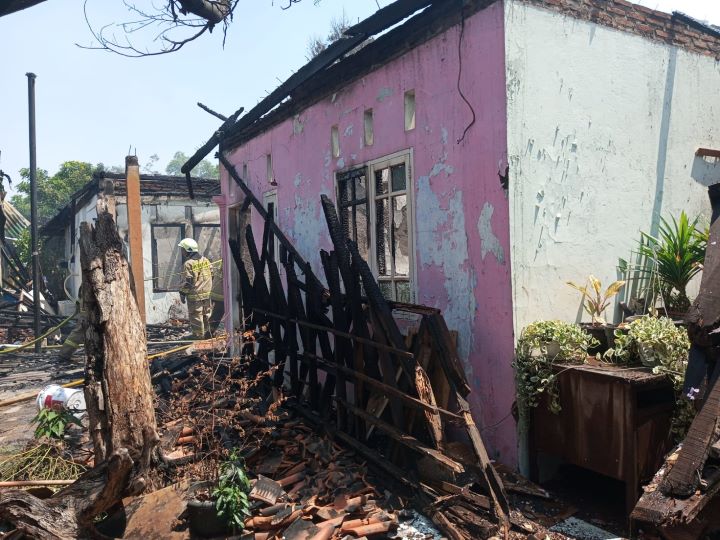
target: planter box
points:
(614, 421)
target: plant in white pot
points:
(595, 302)
(658, 343)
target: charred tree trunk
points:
(118, 393)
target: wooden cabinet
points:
(614, 421)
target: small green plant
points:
(678, 253)
(595, 302)
(658, 343)
(52, 423)
(542, 344)
(231, 495)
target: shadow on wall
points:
(663, 142)
(706, 170)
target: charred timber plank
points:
(290, 326)
(488, 476)
(280, 329)
(260, 292)
(351, 336)
(447, 353)
(331, 367)
(245, 285)
(386, 17)
(311, 314)
(296, 310)
(684, 477)
(427, 394)
(343, 348)
(407, 440)
(352, 288)
(263, 212)
(381, 309)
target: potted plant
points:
(677, 254)
(595, 302)
(216, 508)
(658, 343)
(542, 344)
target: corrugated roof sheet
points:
(16, 223)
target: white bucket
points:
(54, 395)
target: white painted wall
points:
(157, 210)
(602, 131)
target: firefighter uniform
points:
(217, 296)
(196, 288)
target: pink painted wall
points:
(460, 208)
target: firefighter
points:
(217, 297)
(77, 336)
(196, 288)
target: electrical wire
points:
(462, 95)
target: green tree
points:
(204, 169)
(53, 191)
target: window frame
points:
(154, 254)
(197, 226)
(401, 157)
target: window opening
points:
(166, 257)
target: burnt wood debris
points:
(119, 396)
(349, 336)
(686, 485)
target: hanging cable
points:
(472, 111)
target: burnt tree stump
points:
(118, 393)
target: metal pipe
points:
(33, 209)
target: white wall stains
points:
(383, 93)
(348, 131)
(298, 125)
(297, 180)
(442, 242)
(489, 243)
(306, 228)
(590, 168)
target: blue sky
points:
(93, 106)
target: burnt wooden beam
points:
(357, 318)
(354, 337)
(387, 16)
(684, 477)
(488, 476)
(245, 285)
(257, 204)
(343, 347)
(206, 148)
(405, 439)
(447, 352)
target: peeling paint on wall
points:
(443, 243)
(488, 241)
(384, 93)
(298, 125)
(297, 180)
(348, 131)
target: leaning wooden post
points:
(118, 391)
(134, 216)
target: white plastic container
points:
(70, 399)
